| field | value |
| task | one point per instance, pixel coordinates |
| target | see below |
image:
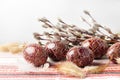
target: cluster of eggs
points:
(83, 55)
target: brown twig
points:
(73, 34)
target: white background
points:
(19, 18)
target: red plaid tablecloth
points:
(10, 70)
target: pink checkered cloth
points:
(10, 68)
